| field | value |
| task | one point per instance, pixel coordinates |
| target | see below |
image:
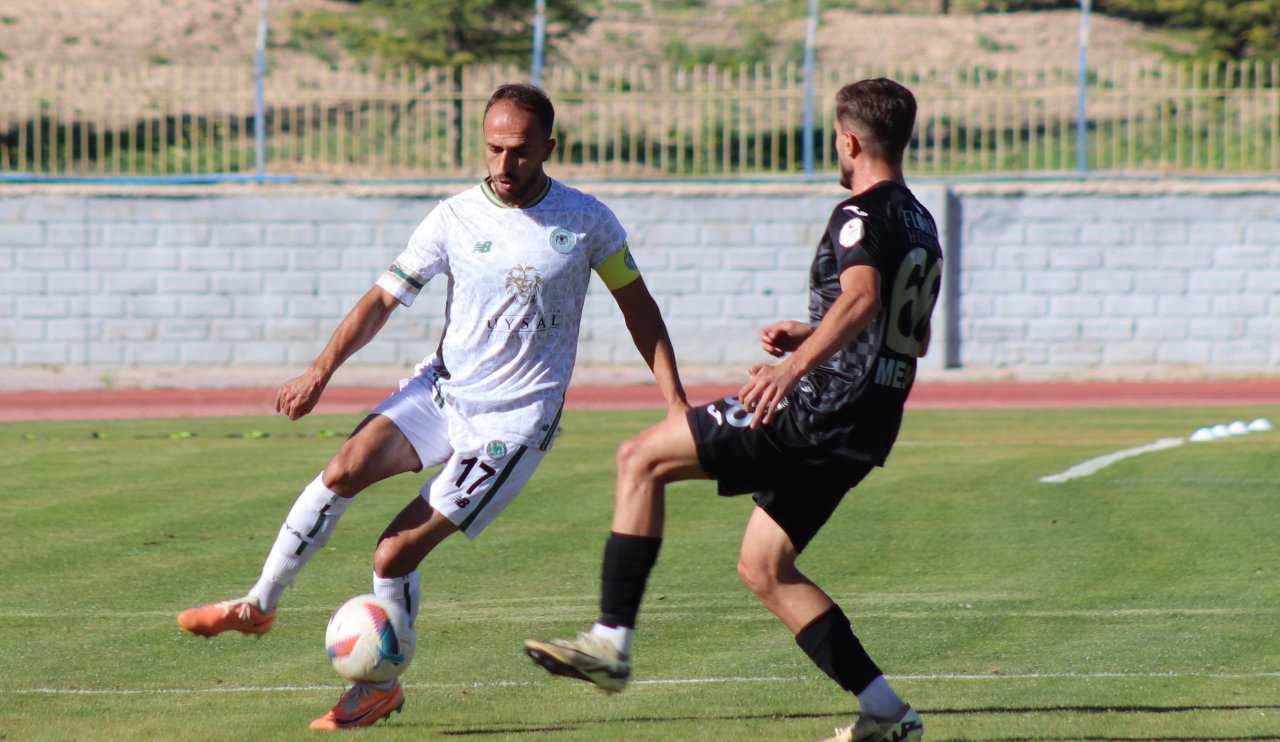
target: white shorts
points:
(479, 475)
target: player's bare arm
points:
(852, 311)
(299, 395)
(784, 336)
(649, 333)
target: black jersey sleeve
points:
(854, 240)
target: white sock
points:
(407, 591)
(306, 529)
(879, 700)
(618, 636)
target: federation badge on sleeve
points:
(851, 232)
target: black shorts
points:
(796, 483)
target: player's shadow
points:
(578, 726)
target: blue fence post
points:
(539, 39)
(1082, 84)
(259, 102)
(810, 41)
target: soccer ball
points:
(369, 639)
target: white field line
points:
(1092, 465)
(753, 613)
(1198, 480)
(655, 682)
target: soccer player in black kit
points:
(800, 433)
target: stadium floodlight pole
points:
(539, 39)
(810, 41)
(259, 103)
(1082, 84)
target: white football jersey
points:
(517, 282)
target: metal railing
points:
(628, 122)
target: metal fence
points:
(628, 122)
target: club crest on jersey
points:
(495, 450)
(524, 283)
(562, 240)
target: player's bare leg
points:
(405, 543)
(411, 535)
(646, 463)
(375, 451)
(767, 564)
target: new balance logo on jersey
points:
(482, 247)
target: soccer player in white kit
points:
(517, 252)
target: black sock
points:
(627, 563)
(830, 643)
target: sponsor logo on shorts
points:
(482, 247)
(495, 450)
(460, 501)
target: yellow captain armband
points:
(619, 269)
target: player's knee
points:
(631, 458)
(343, 474)
(758, 575)
(390, 558)
(635, 462)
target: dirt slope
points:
(205, 32)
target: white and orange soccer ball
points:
(369, 639)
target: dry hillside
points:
(204, 32)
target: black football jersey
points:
(852, 403)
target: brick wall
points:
(1167, 280)
(1035, 280)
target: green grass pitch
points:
(1139, 603)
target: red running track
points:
(110, 404)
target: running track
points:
(109, 404)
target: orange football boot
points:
(239, 614)
(361, 706)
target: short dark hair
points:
(883, 113)
(530, 98)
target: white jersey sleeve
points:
(423, 258)
(607, 237)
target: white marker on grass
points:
(1202, 435)
(1094, 464)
